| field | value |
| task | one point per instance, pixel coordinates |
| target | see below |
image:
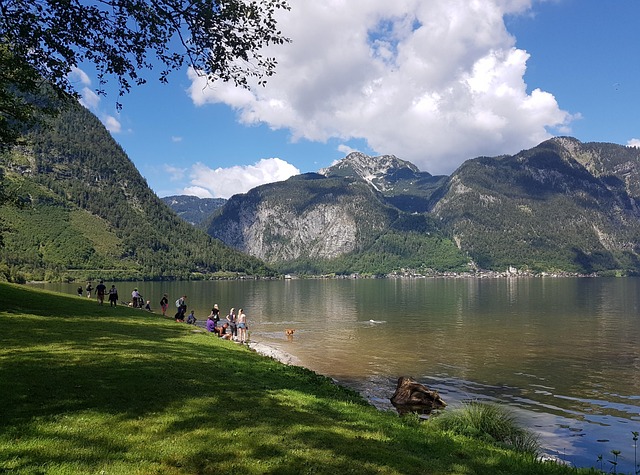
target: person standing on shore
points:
(233, 326)
(181, 305)
(242, 326)
(113, 296)
(215, 313)
(135, 298)
(164, 304)
(89, 288)
(101, 289)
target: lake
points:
(564, 353)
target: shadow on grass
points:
(128, 393)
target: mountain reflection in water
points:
(564, 353)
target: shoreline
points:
(547, 452)
(274, 353)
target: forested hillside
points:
(560, 207)
(337, 224)
(84, 211)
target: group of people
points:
(236, 324)
(101, 292)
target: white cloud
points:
(175, 173)
(634, 143)
(176, 139)
(112, 124)
(78, 75)
(225, 182)
(89, 98)
(343, 148)
(197, 191)
(432, 81)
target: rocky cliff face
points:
(399, 182)
(562, 205)
(305, 216)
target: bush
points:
(490, 422)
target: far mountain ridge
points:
(561, 206)
(193, 209)
(86, 212)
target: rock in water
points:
(411, 396)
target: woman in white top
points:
(242, 326)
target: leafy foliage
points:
(48, 39)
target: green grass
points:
(491, 422)
(90, 389)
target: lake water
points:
(564, 353)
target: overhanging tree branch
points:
(221, 39)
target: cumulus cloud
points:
(174, 173)
(434, 82)
(207, 182)
(77, 75)
(346, 149)
(634, 143)
(111, 123)
(91, 100)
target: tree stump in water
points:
(411, 396)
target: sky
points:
(433, 82)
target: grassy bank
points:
(90, 389)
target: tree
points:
(42, 41)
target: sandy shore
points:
(274, 353)
(262, 349)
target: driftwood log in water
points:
(411, 396)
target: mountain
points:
(192, 209)
(400, 182)
(81, 210)
(562, 206)
(339, 222)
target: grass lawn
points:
(89, 389)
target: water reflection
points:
(565, 353)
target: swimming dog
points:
(289, 332)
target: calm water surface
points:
(564, 353)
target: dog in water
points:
(289, 332)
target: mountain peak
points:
(380, 172)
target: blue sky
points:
(434, 82)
